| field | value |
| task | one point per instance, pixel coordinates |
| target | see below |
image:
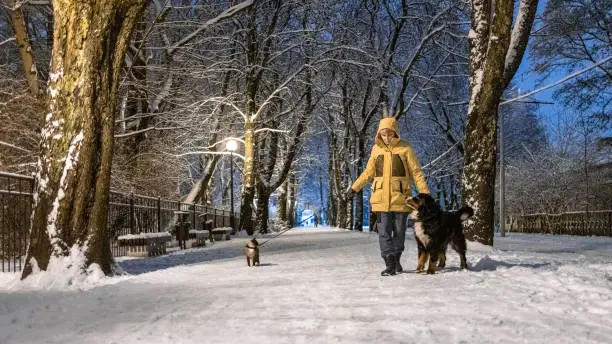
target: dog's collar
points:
(247, 246)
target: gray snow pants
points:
(391, 232)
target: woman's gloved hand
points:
(348, 193)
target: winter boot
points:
(398, 266)
(390, 263)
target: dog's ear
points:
(422, 198)
(412, 203)
(430, 203)
(465, 213)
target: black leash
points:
(275, 236)
(283, 231)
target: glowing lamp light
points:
(231, 145)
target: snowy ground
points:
(324, 287)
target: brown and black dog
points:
(251, 252)
(434, 229)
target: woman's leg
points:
(399, 232)
(385, 234)
(385, 239)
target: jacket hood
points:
(387, 123)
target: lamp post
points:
(231, 146)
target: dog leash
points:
(275, 236)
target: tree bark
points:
(248, 179)
(331, 194)
(292, 200)
(25, 50)
(268, 153)
(281, 214)
(261, 214)
(322, 209)
(359, 196)
(70, 207)
(489, 42)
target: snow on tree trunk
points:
(489, 42)
(199, 189)
(292, 200)
(248, 179)
(281, 215)
(69, 217)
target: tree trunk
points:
(248, 179)
(480, 157)
(292, 201)
(281, 214)
(138, 102)
(322, 209)
(73, 173)
(261, 214)
(350, 215)
(489, 42)
(25, 50)
(359, 196)
(331, 195)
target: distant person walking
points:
(393, 165)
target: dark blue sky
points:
(527, 80)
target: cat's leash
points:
(275, 236)
(280, 233)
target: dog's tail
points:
(466, 212)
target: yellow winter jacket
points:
(394, 168)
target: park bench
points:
(207, 225)
(145, 244)
(222, 233)
(198, 237)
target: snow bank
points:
(62, 274)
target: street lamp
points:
(231, 146)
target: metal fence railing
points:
(597, 223)
(127, 214)
(15, 208)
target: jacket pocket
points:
(377, 191)
(396, 186)
(398, 192)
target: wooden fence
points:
(574, 223)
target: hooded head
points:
(387, 123)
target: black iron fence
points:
(15, 208)
(128, 214)
(573, 223)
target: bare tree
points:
(73, 174)
(570, 35)
(20, 30)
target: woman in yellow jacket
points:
(394, 166)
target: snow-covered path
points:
(324, 287)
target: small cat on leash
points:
(251, 252)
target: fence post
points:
(132, 213)
(205, 218)
(193, 224)
(158, 214)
